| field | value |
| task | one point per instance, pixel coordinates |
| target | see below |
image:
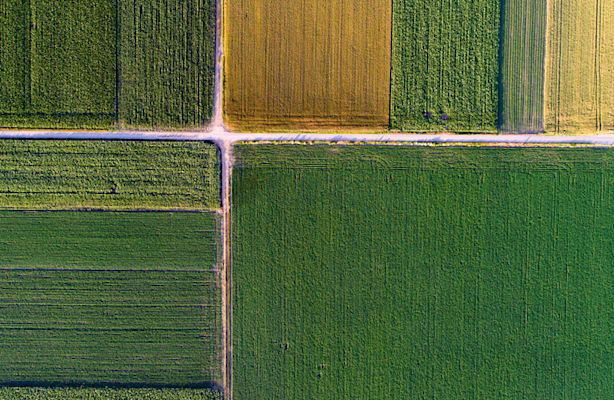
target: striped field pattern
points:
(307, 64)
(445, 65)
(104, 298)
(522, 66)
(580, 66)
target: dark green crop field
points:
(424, 272)
(126, 299)
(445, 65)
(108, 394)
(108, 174)
(106, 63)
(61, 68)
(166, 62)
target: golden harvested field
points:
(580, 66)
(311, 64)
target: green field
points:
(522, 66)
(166, 62)
(108, 174)
(422, 272)
(61, 67)
(106, 63)
(107, 394)
(123, 299)
(445, 65)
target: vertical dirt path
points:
(226, 281)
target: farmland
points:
(123, 299)
(422, 272)
(107, 394)
(445, 65)
(522, 66)
(51, 85)
(166, 62)
(108, 174)
(580, 73)
(106, 64)
(307, 64)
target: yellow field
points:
(580, 66)
(309, 64)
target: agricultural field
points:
(121, 299)
(369, 272)
(166, 62)
(307, 65)
(108, 175)
(522, 66)
(107, 394)
(445, 65)
(119, 63)
(46, 84)
(580, 71)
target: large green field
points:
(106, 298)
(422, 272)
(108, 174)
(523, 50)
(106, 63)
(445, 65)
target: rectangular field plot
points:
(445, 65)
(107, 174)
(167, 62)
(124, 299)
(61, 68)
(399, 273)
(522, 66)
(307, 64)
(106, 63)
(580, 66)
(12, 393)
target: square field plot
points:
(104, 298)
(106, 63)
(580, 66)
(61, 63)
(365, 272)
(307, 64)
